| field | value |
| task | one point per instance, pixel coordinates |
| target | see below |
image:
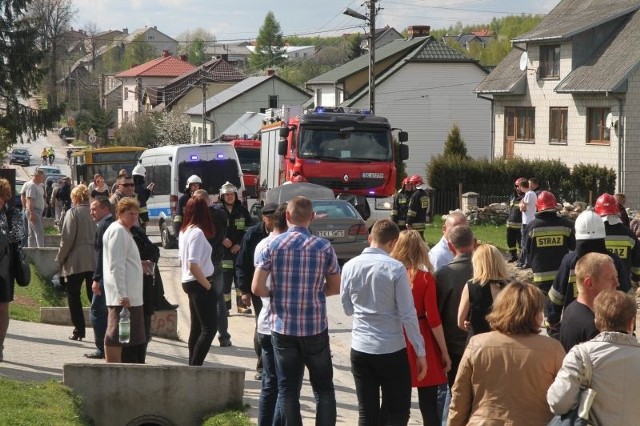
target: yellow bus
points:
(106, 161)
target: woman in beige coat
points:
(76, 255)
(504, 374)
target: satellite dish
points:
(610, 121)
(524, 61)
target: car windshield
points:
(21, 152)
(345, 146)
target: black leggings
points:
(428, 401)
(204, 323)
(74, 290)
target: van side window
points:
(161, 176)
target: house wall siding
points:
(631, 142)
(426, 99)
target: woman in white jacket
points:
(615, 356)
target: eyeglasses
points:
(127, 184)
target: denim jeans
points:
(269, 389)
(98, 314)
(388, 373)
(218, 287)
(202, 309)
(524, 255)
(292, 354)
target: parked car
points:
(67, 134)
(20, 156)
(335, 220)
(50, 170)
(17, 199)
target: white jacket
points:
(121, 266)
(616, 379)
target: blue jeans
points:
(98, 314)
(292, 354)
(269, 389)
(218, 289)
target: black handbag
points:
(20, 266)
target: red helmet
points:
(405, 181)
(546, 202)
(606, 205)
(416, 180)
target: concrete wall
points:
(126, 394)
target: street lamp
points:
(371, 19)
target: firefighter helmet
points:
(228, 188)
(405, 181)
(139, 170)
(589, 226)
(606, 205)
(416, 180)
(546, 202)
(193, 179)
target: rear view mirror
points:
(403, 136)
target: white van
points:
(169, 167)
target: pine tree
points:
(269, 52)
(455, 146)
(20, 76)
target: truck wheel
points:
(168, 241)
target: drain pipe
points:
(619, 129)
(493, 130)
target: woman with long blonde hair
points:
(490, 276)
(413, 252)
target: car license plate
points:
(373, 175)
(331, 233)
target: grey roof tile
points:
(506, 77)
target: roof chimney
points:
(418, 31)
(183, 58)
(125, 31)
(165, 53)
(270, 72)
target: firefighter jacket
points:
(549, 238)
(245, 267)
(514, 220)
(565, 289)
(621, 241)
(400, 207)
(219, 219)
(177, 219)
(238, 221)
(418, 213)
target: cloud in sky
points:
(241, 19)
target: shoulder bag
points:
(579, 415)
(20, 266)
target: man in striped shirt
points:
(304, 270)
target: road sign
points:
(91, 132)
(92, 139)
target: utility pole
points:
(372, 56)
(204, 110)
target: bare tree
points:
(52, 18)
(92, 30)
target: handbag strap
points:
(587, 366)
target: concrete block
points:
(165, 324)
(131, 394)
(51, 240)
(61, 316)
(44, 259)
(48, 222)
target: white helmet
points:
(589, 226)
(193, 179)
(139, 170)
(228, 188)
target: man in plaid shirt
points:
(304, 270)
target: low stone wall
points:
(135, 395)
(44, 260)
(497, 214)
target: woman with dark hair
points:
(197, 275)
(509, 368)
(11, 231)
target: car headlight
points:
(384, 203)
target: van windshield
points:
(214, 173)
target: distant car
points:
(20, 156)
(17, 199)
(335, 220)
(67, 134)
(50, 170)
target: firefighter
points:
(193, 184)
(549, 238)
(238, 220)
(142, 193)
(514, 222)
(619, 240)
(401, 204)
(418, 214)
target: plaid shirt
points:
(298, 263)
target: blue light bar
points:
(193, 157)
(320, 110)
(372, 192)
(220, 156)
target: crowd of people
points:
(449, 321)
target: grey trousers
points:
(36, 230)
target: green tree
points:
(455, 146)
(94, 117)
(141, 132)
(20, 75)
(194, 44)
(138, 52)
(269, 52)
(172, 128)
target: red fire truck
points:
(350, 152)
(249, 155)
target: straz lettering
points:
(551, 241)
(620, 251)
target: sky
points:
(240, 20)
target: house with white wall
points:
(422, 87)
(570, 90)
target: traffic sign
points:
(92, 139)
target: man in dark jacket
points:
(193, 184)
(245, 267)
(514, 222)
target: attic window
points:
(550, 61)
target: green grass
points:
(231, 417)
(51, 230)
(47, 403)
(28, 300)
(490, 234)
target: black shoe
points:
(95, 355)
(225, 343)
(164, 305)
(76, 337)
